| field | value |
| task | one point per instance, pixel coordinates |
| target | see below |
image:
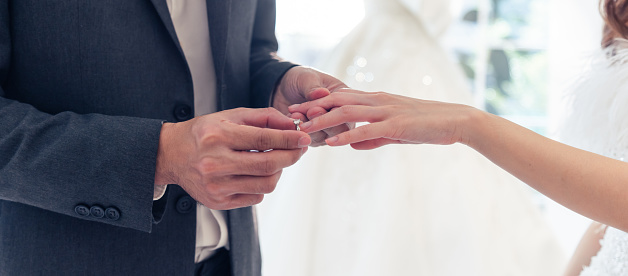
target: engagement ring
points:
(297, 122)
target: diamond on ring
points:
(297, 123)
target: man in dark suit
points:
(85, 89)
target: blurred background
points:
(518, 56)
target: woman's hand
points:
(393, 119)
(302, 84)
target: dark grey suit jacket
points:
(85, 85)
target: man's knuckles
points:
(265, 186)
(252, 199)
(267, 166)
(264, 140)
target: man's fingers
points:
(342, 115)
(359, 134)
(317, 93)
(299, 116)
(277, 120)
(246, 200)
(262, 139)
(265, 163)
(236, 201)
(246, 184)
(233, 189)
(315, 112)
(265, 118)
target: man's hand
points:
(301, 84)
(229, 159)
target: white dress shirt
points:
(190, 22)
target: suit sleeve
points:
(266, 67)
(64, 161)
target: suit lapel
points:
(162, 9)
(218, 14)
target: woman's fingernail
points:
(294, 106)
(304, 142)
(306, 124)
(332, 140)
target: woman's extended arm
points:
(590, 184)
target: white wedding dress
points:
(599, 123)
(402, 209)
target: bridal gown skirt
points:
(402, 209)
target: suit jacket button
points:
(112, 213)
(185, 204)
(97, 211)
(182, 112)
(81, 210)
